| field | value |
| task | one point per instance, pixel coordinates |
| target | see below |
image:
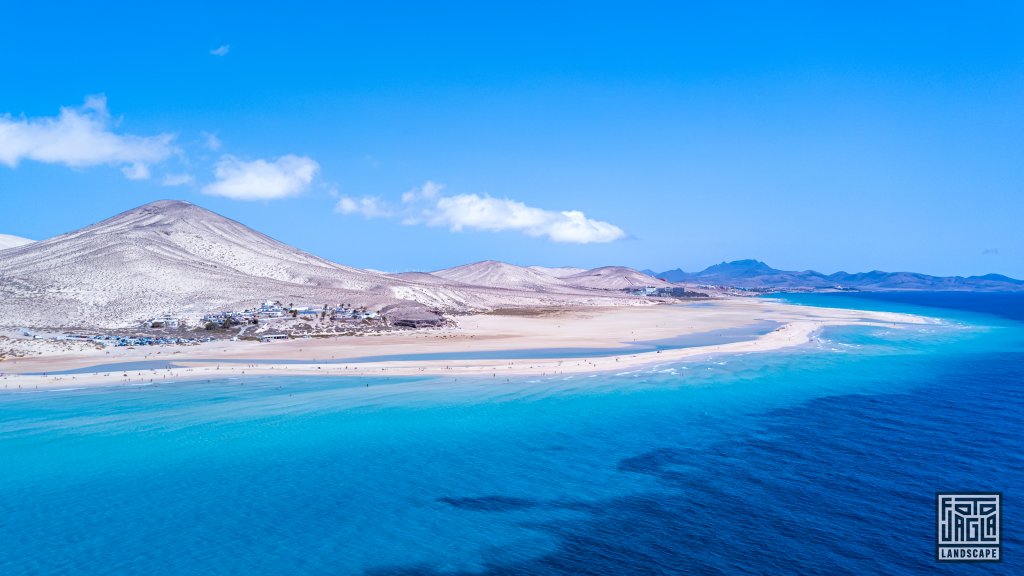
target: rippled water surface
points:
(822, 460)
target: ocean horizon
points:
(820, 459)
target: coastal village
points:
(269, 321)
(274, 310)
(658, 292)
(272, 320)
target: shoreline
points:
(597, 329)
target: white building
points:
(165, 322)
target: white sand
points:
(610, 328)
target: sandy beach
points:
(621, 331)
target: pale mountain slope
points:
(9, 241)
(494, 274)
(506, 288)
(557, 272)
(421, 278)
(613, 278)
(166, 256)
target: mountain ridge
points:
(756, 275)
(614, 278)
(497, 274)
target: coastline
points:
(597, 329)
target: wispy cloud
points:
(260, 179)
(221, 50)
(367, 206)
(428, 192)
(80, 137)
(212, 141)
(428, 205)
(136, 172)
(177, 180)
(990, 252)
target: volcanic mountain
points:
(172, 257)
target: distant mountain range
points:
(756, 275)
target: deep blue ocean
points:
(820, 460)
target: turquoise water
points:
(823, 459)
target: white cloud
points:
(221, 50)
(212, 141)
(81, 137)
(428, 191)
(368, 206)
(497, 214)
(286, 176)
(135, 171)
(426, 204)
(177, 179)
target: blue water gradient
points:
(820, 460)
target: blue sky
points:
(833, 136)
